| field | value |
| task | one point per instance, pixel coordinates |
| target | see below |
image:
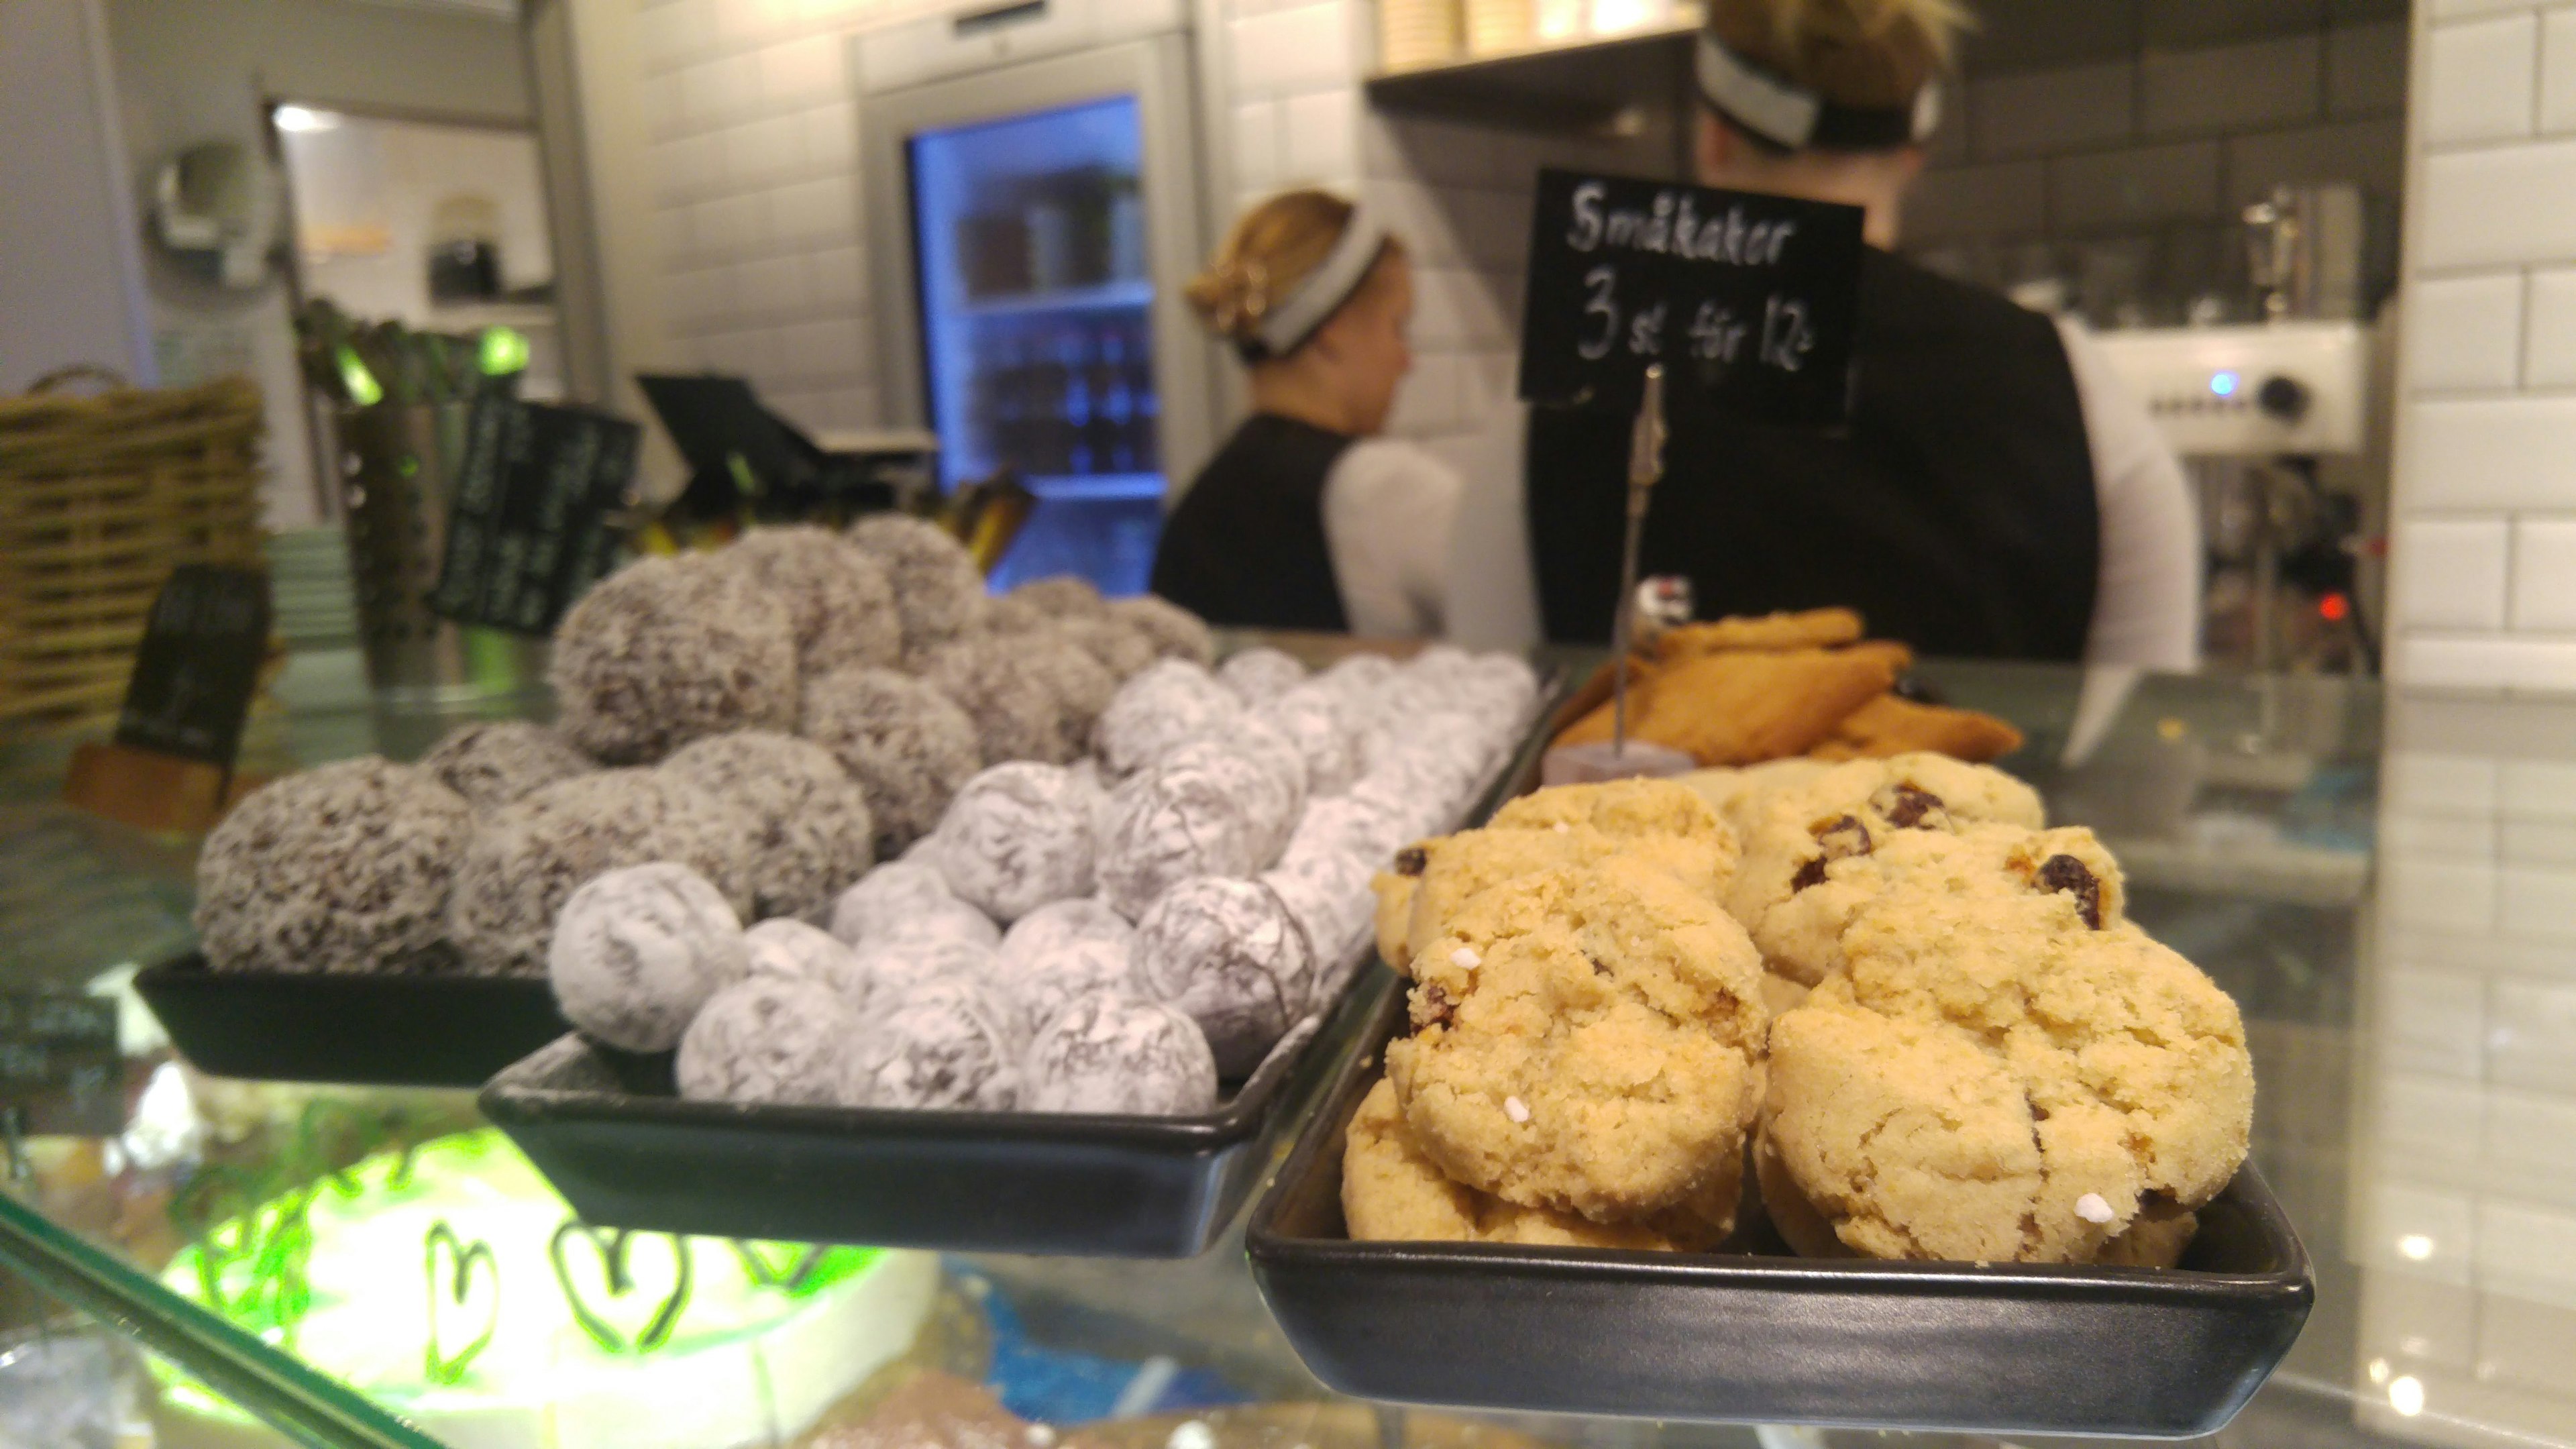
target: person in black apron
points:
(1305, 519)
(1996, 493)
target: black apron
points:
(1956, 512)
(1246, 548)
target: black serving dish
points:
(609, 1129)
(2009, 1348)
(384, 1029)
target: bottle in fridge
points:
(1048, 216)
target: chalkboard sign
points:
(531, 516)
(1749, 301)
(198, 664)
(59, 1066)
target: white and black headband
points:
(1790, 116)
(1285, 326)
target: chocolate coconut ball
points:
(811, 833)
(1207, 809)
(1132, 1058)
(493, 762)
(1260, 674)
(1230, 955)
(671, 650)
(1177, 633)
(937, 589)
(1120, 647)
(839, 603)
(1047, 601)
(944, 1046)
(1082, 686)
(776, 1040)
(1017, 837)
(1017, 716)
(1159, 710)
(908, 745)
(345, 867)
(637, 951)
(530, 856)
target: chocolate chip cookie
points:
(1587, 1039)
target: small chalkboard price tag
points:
(198, 665)
(530, 523)
(59, 1065)
(1749, 301)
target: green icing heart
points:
(451, 1264)
(612, 1249)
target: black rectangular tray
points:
(2019, 1348)
(379, 1029)
(610, 1131)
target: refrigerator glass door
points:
(1035, 296)
(1030, 230)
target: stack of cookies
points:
(1918, 1015)
(1739, 691)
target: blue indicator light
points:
(2223, 384)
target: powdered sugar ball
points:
(1017, 837)
(1327, 893)
(530, 856)
(890, 893)
(1016, 716)
(1133, 1058)
(953, 920)
(1311, 718)
(1366, 826)
(345, 867)
(840, 605)
(1177, 633)
(909, 747)
(1121, 648)
(1207, 809)
(773, 1039)
(669, 650)
(1286, 765)
(1066, 952)
(1357, 678)
(811, 833)
(885, 971)
(937, 589)
(1227, 953)
(1166, 706)
(1260, 673)
(786, 947)
(637, 951)
(493, 762)
(943, 1044)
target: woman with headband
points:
(1996, 494)
(1306, 519)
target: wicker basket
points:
(100, 497)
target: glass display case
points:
(2385, 883)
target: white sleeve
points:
(2146, 606)
(1388, 510)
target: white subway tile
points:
(2424, 1231)
(820, 351)
(2468, 661)
(2537, 902)
(1427, 404)
(2471, 837)
(2437, 892)
(1437, 325)
(2490, 453)
(1288, 51)
(757, 151)
(2510, 204)
(830, 135)
(2518, 1244)
(2432, 1022)
(2544, 574)
(2549, 356)
(2536, 789)
(2450, 573)
(2524, 1345)
(840, 277)
(2420, 782)
(2478, 80)
(798, 70)
(2536, 842)
(675, 235)
(2532, 1043)
(2465, 332)
(1322, 144)
(1256, 144)
(2558, 70)
(2409, 1318)
(2459, 9)
(822, 210)
(775, 287)
(2431, 1121)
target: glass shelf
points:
(2412, 1013)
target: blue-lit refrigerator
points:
(1031, 224)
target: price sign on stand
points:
(530, 527)
(59, 1066)
(198, 665)
(1748, 301)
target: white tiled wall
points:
(2485, 543)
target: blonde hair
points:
(1865, 53)
(1269, 250)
